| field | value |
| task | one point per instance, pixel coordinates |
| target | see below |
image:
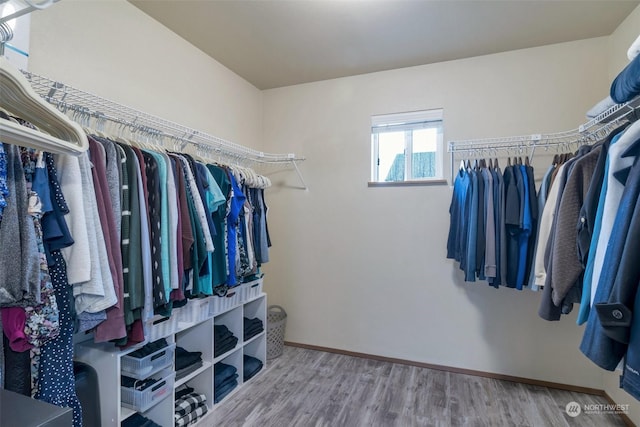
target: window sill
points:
(420, 183)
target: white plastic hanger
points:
(62, 135)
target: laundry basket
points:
(276, 323)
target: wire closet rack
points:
(91, 110)
(595, 129)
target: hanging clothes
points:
(160, 297)
(113, 327)
(20, 276)
(56, 379)
(562, 288)
(492, 220)
(622, 190)
(545, 186)
(220, 256)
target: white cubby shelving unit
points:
(189, 327)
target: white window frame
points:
(408, 121)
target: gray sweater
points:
(19, 257)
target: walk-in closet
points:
(319, 213)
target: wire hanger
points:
(58, 133)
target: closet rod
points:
(594, 129)
(83, 106)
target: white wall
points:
(114, 50)
(620, 40)
(364, 269)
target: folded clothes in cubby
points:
(251, 367)
(252, 327)
(223, 340)
(189, 408)
(138, 420)
(149, 348)
(224, 381)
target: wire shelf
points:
(588, 131)
(89, 109)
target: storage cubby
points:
(197, 338)
(257, 349)
(192, 328)
(232, 319)
(255, 309)
(234, 359)
(201, 383)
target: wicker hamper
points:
(276, 323)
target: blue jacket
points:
(609, 327)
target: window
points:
(407, 146)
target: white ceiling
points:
(274, 43)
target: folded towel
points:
(634, 50)
(600, 107)
(626, 85)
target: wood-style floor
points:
(313, 388)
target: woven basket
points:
(276, 324)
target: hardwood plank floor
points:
(309, 388)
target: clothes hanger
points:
(490, 163)
(120, 137)
(526, 161)
(4, 114)
(58, 133)
(496, 164)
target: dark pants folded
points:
(222, 392)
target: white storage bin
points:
(148, 365)
(142, 400)
(196, 310)
(161, 327)
(252, 290)
(227, 302)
